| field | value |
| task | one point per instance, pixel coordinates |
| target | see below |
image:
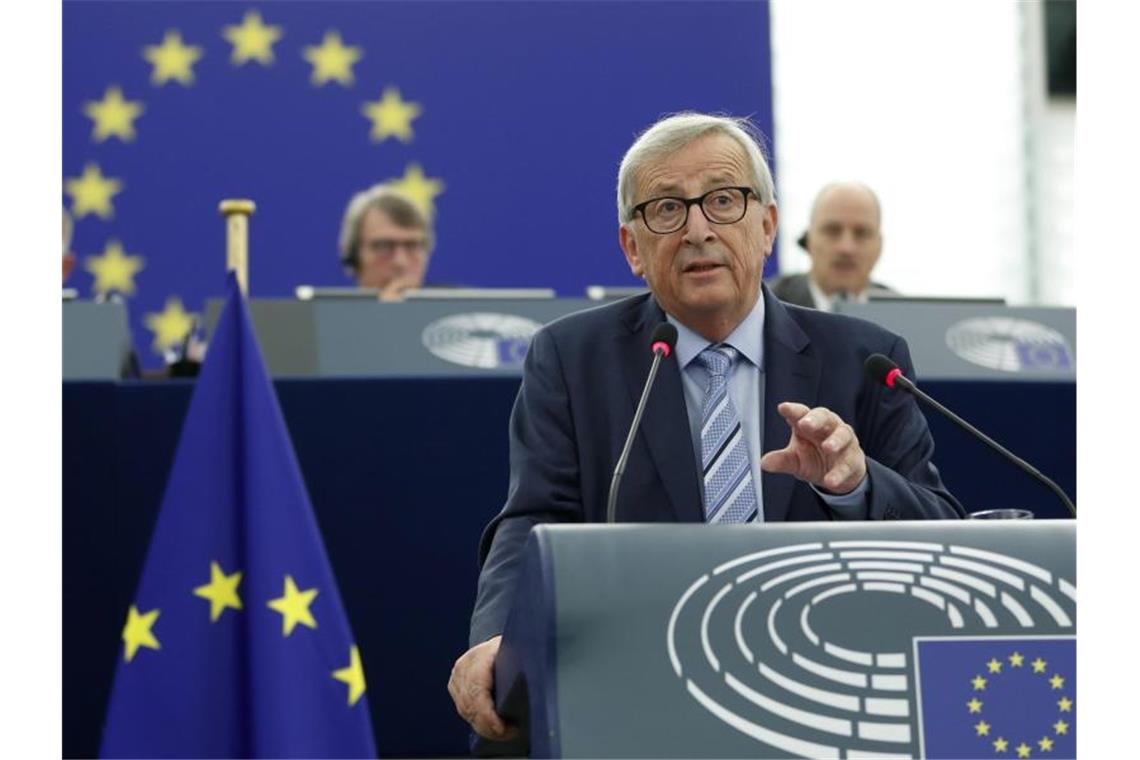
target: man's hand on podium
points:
(470, 687)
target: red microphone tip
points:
(661, 346)
(891, 376)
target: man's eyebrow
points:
(719, 180)
(672, 190)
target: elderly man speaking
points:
(763, 417)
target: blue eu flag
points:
(998, 697)
(236, 643)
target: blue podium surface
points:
(934, 639)
(403, 474)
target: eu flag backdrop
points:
(506, 118)
(236, 643)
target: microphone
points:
(884, 371)
(661, 344)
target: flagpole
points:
(237, 212)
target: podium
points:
(96, 340)
(884, 640)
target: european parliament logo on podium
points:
(884, 649)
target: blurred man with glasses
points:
(763, 415)
(385, 241)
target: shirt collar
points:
(824, 302)
(747, 338)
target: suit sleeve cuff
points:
(848, 506)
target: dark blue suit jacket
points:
(582, 380)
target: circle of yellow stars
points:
(172, 60)
(221, 591)
(1000, 744)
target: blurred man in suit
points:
(385, 241)
(764, 414)
(844, 241)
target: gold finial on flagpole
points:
(237, 212)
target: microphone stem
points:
(903, 381)
(611, 504)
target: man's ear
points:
(771, 215)
(629, 248)
(802, 241)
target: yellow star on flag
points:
(294, 606)
(91, 192)
(979, 683)
(982, 728)
(137, 633)
(1061, 728)
(391, 116)
(420, 189)
(1016, 659)
(994, 665)
(170, 325)
(1065, 704)
(353, 675)
(172, 60)
(1038, 665)
(1000, 745)
(221, 591)
(1045, 743)
(252, 40)
(114, 270)
(331, 60)
(1056, 681)
(1023, 750)
(975, 705)
(113, 116)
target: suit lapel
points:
(791, 373)
(665, 425)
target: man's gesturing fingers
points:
(470, 689)
(823, 449)
(817, 424)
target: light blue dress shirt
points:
(746, 389)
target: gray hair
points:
(401, 209)
(672, 133)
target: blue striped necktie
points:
(730, 495)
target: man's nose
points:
(698, 229)
(848, 243)
(402, 255)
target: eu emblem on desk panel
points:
(998, 697)
(236, 643)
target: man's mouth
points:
(702, 266)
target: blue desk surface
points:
(403, 474)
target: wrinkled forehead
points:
(709, 161)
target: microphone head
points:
(881, 369)
(664, 339)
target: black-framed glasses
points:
(387, 247)
(724, 205)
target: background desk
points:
(403, 474)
